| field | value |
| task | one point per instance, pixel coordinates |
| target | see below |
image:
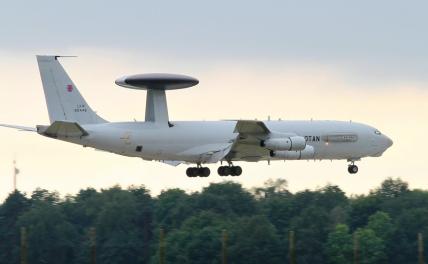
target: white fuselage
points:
(329, 139)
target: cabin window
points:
(139, 148)
(377, 132)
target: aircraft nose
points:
(388, 142)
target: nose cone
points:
(388, 142)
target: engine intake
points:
(283, 144)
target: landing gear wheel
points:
(226, 171)
(229, 170)
(236, 171)
(204, 172)
(352, 169)
(198, 171)
(191, 172)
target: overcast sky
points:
(361, 60)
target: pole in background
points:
(15, 174)
(93, 245)
(421, 249)
(23, 245)
(291, 248)
(224, 247)
(356, 249)
(161, 246)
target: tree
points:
(331, 196)
(144, 218)
(392, 188)
(408, 224)
(271, 188)
(361, 208)
(44, 196)
(254, 240)
(339, 245)
(372, 247)
(226, 198)
(382, 225)
(172, 207)
(279, 209)
(118, 235)
(13, 207)
(51, 238)
(198, 240)
(311, 228)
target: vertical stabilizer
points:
(63, 99)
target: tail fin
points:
(64, 101)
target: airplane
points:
(195, 142)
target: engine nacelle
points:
(307, 153)
(287, 143)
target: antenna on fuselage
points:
(156, 84)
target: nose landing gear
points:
(352, 168)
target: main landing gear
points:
(229, 170)
(222, 171)
(352, 168)
(198, 171)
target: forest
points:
(325, 221)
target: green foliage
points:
(371, 247)
(255, 240)
(51, 236)
(226, 198)
(392, 188)
(12, 208)
(197, 241)
(339, 245)
(311, 227)
(382, 225)
(127, 222)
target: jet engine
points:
(281, 144)
(307, 153)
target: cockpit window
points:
(377, 132)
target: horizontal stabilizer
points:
(21, 128)
(62, 129)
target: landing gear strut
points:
(352, 168)
(229, 170)
(198, 171)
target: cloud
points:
(382, 40)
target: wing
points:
(247, 145)
(251, 127)
(20, 128)
(174, 163)
(209, 153)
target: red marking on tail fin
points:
(70, 88)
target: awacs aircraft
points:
(195, 142)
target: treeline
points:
(325, 221)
